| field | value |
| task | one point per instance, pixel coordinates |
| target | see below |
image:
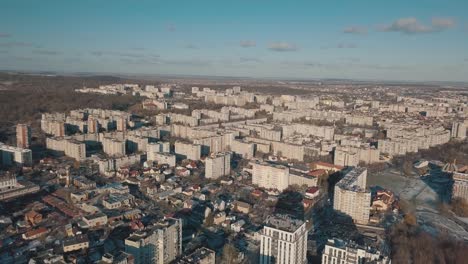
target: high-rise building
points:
(161, 244)
(283, 240)
(459, 130)
(218, 165)
(23, 136)
(351, 196)
(93, 125)
(338, 251)
(270, 176)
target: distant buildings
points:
(218, 165)
(161, 244)
(351, 196)
(283, 240)
(23, 136)
(340, 252)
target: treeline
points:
(410, 244)
(24, 98)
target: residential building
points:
(23, 136)
(270, 176)
(218, 165)
(340, 252)
(161, 244)
(283, 240)
(351, 196)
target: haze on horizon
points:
(397, 40)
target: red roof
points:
(312, 190)
(40, 230)
(325, 164)
(317, 173)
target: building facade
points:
(283, 241)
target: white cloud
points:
(191, 46)
(355, 30)
(411, 25)
(282, 46)
(247, 43)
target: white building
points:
(218, 165)
(283, 241)
(339, 252)
(10, 155)
(270, 176)
(459, 130)
(160, 245)
(351, 196)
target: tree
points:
(230, 254)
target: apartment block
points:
(459, 130)
(23, 136)
(270, 176)
(338, 251)
(161, 244)
(10, 156)
(162, 158)
(188, 150)
(351, 196)
(218, 165)
(283, 240)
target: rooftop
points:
(283, 222)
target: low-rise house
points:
(242, 207)
(35, 233)
(95, 220)
(33, 218)
(75, 243)
(237, 226)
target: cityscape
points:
(176, 150)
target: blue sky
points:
(388, 40)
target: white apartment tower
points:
(351, 196)
(270, 176)
(162, 244)
(283, 240)
(218, 165)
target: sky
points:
(378, 40)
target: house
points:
(36, 233)
(75, 243)
(220, 204)
(237, 226)
(242, 207)
(116, 200)
(383, 200)
(95, 220)
(33, 218)
(257, 193)
(219, 218)
(312, 192)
